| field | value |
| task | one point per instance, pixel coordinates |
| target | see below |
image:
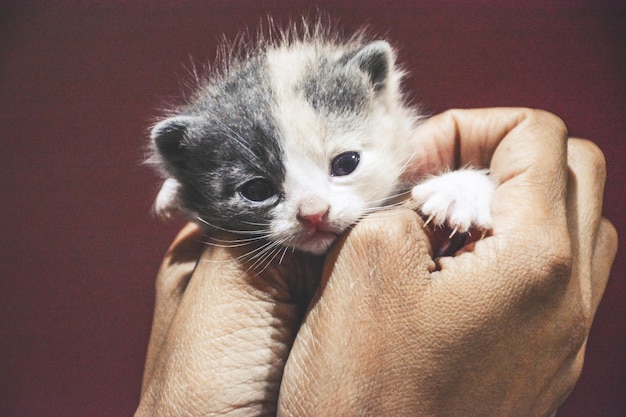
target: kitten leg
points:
(459, 199)
(167, 203)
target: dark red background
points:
(79, 84)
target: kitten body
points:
(298, 139)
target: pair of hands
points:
(498, 330)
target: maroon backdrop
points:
(79, 83)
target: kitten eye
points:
(344, 164)
(257, 190)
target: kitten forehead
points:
(238, 109)
(317, 73)
(313, 94)
(301, 128)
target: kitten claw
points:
(428, 220)
(459, 200)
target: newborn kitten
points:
(299, 138)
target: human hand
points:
(220, 333)
(386, 335)
(499, 330)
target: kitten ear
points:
(376, 61)
(168, 138)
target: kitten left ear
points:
(169, 138)
(376, 61)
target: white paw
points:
(167, 200)
(459, 199)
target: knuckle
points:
(551, 119)
(593, 155)
(385, 226)
(546, 124)
(551, 270)
(561, 255)
(557, 271)
(173, 279)
(609, 236)
(559, 261)
(388, 235)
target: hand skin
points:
(498, 330)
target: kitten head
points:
(294, 143)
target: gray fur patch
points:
(333, 88)
(233, 139)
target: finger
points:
(373, 280)
(525, 150)
(456, 138)
(585, 192)
(596, 237)
(562, 383)
(603, 256)
(228, 339)
(178, 264)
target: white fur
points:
(167, 200)
(311, 141)
(461, 199)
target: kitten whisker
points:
(227, 244)
(240, 232)
(403, 167)
(278, 251)
(257, 252)
(264, 224)
(239, 242)
(393, 200)
(269, 258)
(268, 253)
(280, 261)
(281, 245)
(260, 257)
(387, 207)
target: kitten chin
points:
(317, 243)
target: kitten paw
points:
(459, 199)
(167, 203)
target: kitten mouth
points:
(323, 235)
(316, 241)
(320, 234)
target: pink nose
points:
(313, 216)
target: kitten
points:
(297, 139)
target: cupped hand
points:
(222, 331)
(497, 330)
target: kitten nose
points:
(313, 213)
